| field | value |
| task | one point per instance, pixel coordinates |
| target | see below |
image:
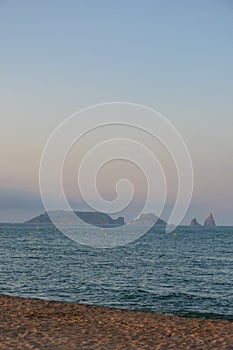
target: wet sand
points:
(38, 324)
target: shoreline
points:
(40, 324)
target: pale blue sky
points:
(172, 55)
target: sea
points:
(188, 273)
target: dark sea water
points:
(190, 274)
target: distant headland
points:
(64, 217)
(93, 218)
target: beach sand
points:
(38, 324)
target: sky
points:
(60, 56)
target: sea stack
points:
(194, 222)
(209, 220)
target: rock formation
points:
(148, 220)
(209, 220)
(194, 222)
(65, 217)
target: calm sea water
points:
(190, 274)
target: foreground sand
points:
(38, 324)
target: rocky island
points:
(148, 220)
(194, 222)
(209, 220)
(65, 217)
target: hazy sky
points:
(60, 56)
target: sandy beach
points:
(38, 324)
